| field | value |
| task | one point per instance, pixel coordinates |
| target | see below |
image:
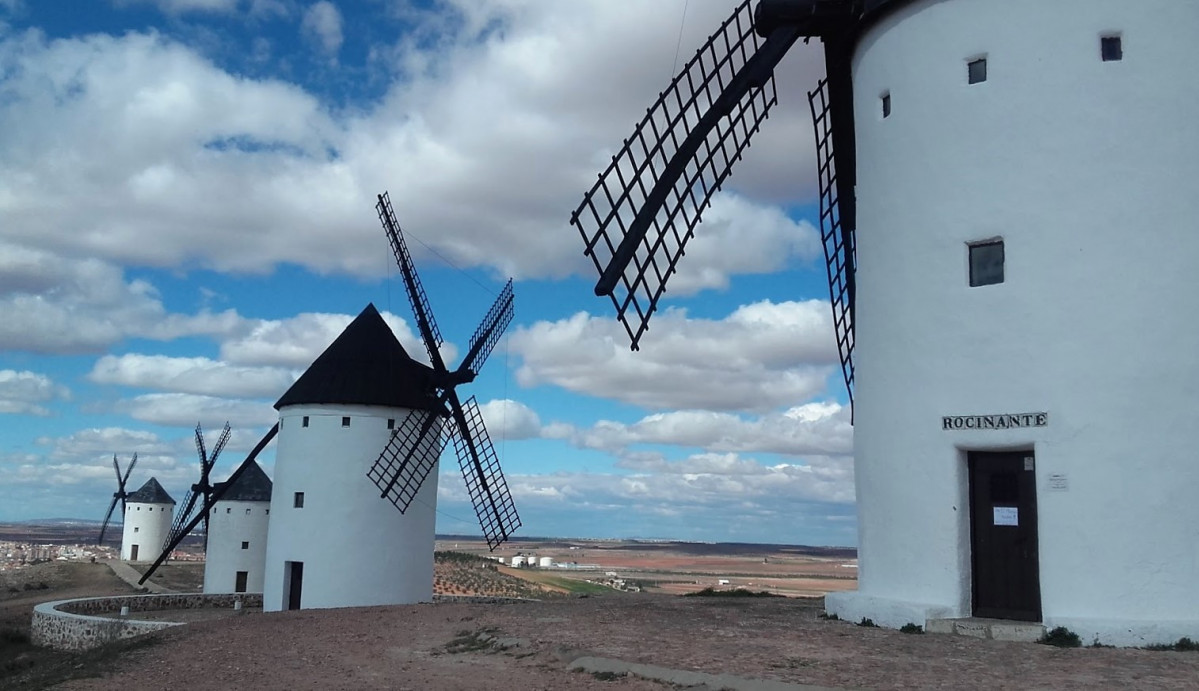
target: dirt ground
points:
(409, 647)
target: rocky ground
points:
(451, 646)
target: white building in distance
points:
(235, 556)
(1026, 383)
(148, 514)
(333, 541)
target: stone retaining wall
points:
(90, 622)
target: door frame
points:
(1029, 506)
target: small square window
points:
(247, 512)
(298, 501)
(976, 71)
(886, 99)
(135, 529)
(345, 422)
(391, 423)
(986, 263)
(268, 512)
(245, 544)
(228, 510)
(304, 422)
(1111, 48)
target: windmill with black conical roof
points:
(147, 521)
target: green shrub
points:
(829, 617)
(911, 628)
(1183, 645)
(869, 623)
(1061, 637)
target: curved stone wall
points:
(91, 622)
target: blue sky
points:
(186, 221)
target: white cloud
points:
(184, 410)
(510, 420)
(699, 482)
(297, 341)
(22, 392)
(53, 304)
(146, 133)
(322, 23)
(760, 357)
(178, 7)
(813, 428)
(191, 375)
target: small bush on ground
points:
(869, 623)
(1061, 637)
(737, 592)
(829, 617)
(912, 628)
(1182, 645)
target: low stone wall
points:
(90, 622)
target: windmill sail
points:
(637, 219)
(485, 481)
(209, 500)
(840, 251)
(119, 495)
(413, 449)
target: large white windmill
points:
(1008, 206)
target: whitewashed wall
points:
(357, 548)
(231, 524)
(147, 526)
(1089, 172)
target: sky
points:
(187, 220)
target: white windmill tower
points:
(235, 555)
(361, 430)
(147, 521)
(1007, 203)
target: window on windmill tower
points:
(135, 529)
(345, 422)
(391, 423)
(886, 99)
(304, 422)
(247, 512)
(976, 71)
(245, 544)
(986, 263)
(298, 500)
(1111, 48)
(229, 510)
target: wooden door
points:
(1003, 531)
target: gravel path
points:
(442, 646)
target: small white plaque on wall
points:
(1058, 482)
(1006, 515)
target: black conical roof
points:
(366, 365)
(150, 493)
(251, 485)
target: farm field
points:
(679, 567)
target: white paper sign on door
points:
(1007, 515)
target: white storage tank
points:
(518, 561)
(334, 542)
(148, 515)
(1026, 385)
(545, 562)
(235, 557)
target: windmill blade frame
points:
(408, 458)
(485, 481)
(490, 331)
(120, 494)
(635, 233)
(212, 499)
(417, 297)
(678, 156)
